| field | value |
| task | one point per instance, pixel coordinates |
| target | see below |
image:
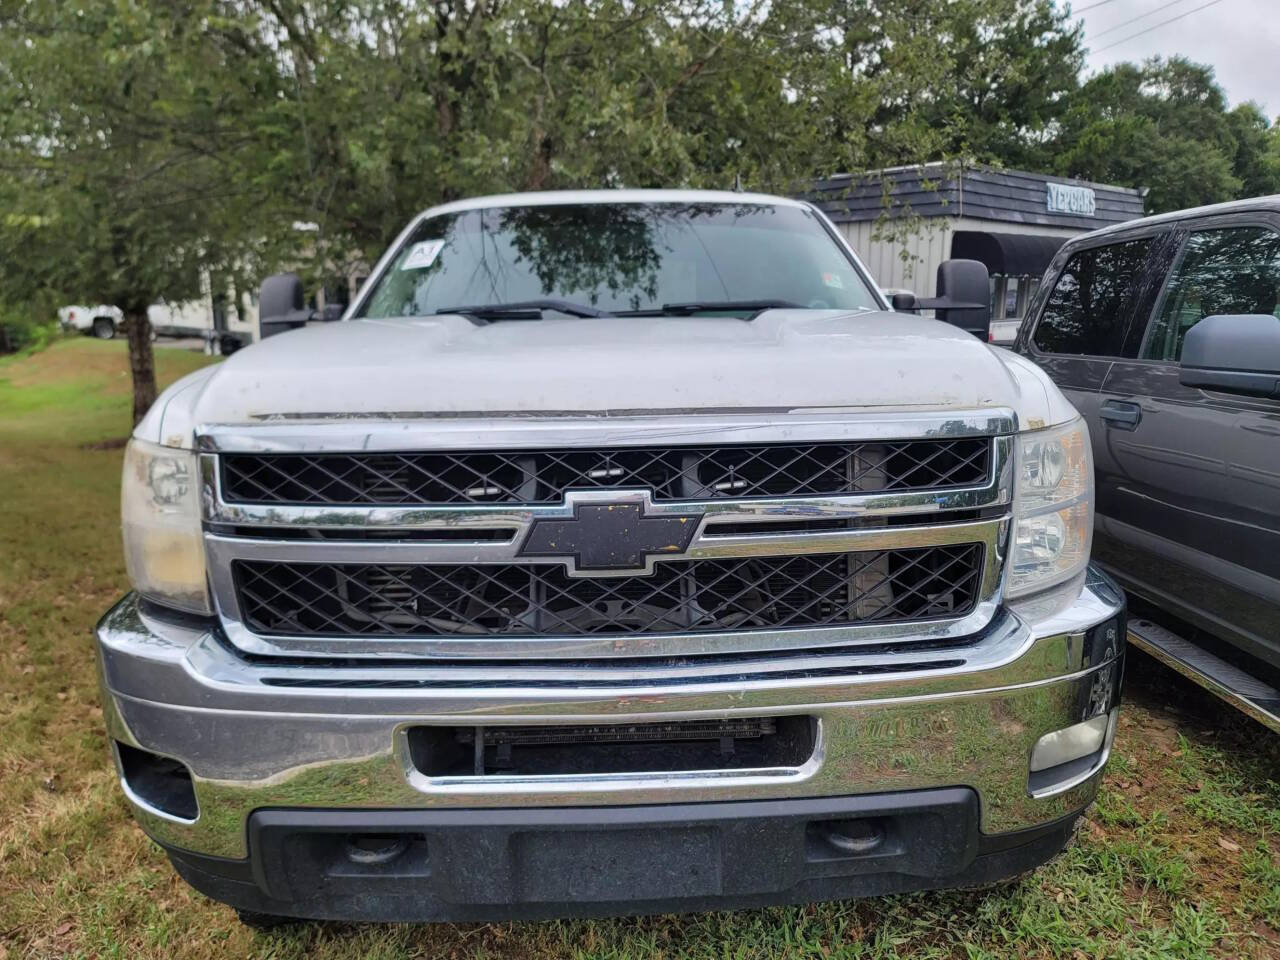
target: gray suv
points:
(1165, 335)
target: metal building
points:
(904, 221)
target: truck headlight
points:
(160, 510)
(1052, 509)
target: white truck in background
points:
(224, 323)
(223, 327)
(101, 321)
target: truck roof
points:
(543, 198)
(1271, 202)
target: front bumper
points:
(893, 724)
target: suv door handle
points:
(1121, 413)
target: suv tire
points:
(104, 328)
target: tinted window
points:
(620, 257)
(1235, 270)
(1087, 312)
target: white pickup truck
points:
(223, 329)
(101, 321)
(616, 552)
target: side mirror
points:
(903, 302)
(332, 311)
(964, 296)
(963, 300)
(281, 305)
(1238, 352)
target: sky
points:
(1240, 39)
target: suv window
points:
(1086, 311)
(1233, 270)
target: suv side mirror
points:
(281, 305)
(1239, 352)
(963, 300)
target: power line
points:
(1100, 3)
(1157, 26)
(1141, 16)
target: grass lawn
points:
(1180, 857)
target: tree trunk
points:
(142, 363)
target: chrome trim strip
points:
(224, 549)
(496, 431)
(293, 679)
(997, 491)
(587, 648)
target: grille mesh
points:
(543, 476)
(689, 596)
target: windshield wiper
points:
(525, 310)
(753, 307)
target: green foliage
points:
(26, 330)
(144, 142)
(119, 132)
(1164, 125)
(381, 107)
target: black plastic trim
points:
(537, 863)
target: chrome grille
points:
(543, 476)
(537, 600)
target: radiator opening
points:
(743, 743)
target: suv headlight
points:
(160, 510)
(1052, 508)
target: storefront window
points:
(1011, 306)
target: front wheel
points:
(103, 328)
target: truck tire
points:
(104, 328)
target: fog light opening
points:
(1066, 758)
(373, 848)
(838, 839)
(1069, 743)
(161, 784)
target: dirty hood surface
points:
(449, 365)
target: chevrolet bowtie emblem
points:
(609, 536)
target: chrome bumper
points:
(258, 734)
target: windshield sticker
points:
(422, 255)
(833, 280)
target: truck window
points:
(1233, 270)
(1087, 309)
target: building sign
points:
(1075, 200)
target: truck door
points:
(1195, 474)
(1086, 323)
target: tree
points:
(1255, 139)
(388, 106)
(119, 138)
(1164, 125)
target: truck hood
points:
(782, 360)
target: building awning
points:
(1008, 254)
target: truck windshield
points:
(620, 258)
